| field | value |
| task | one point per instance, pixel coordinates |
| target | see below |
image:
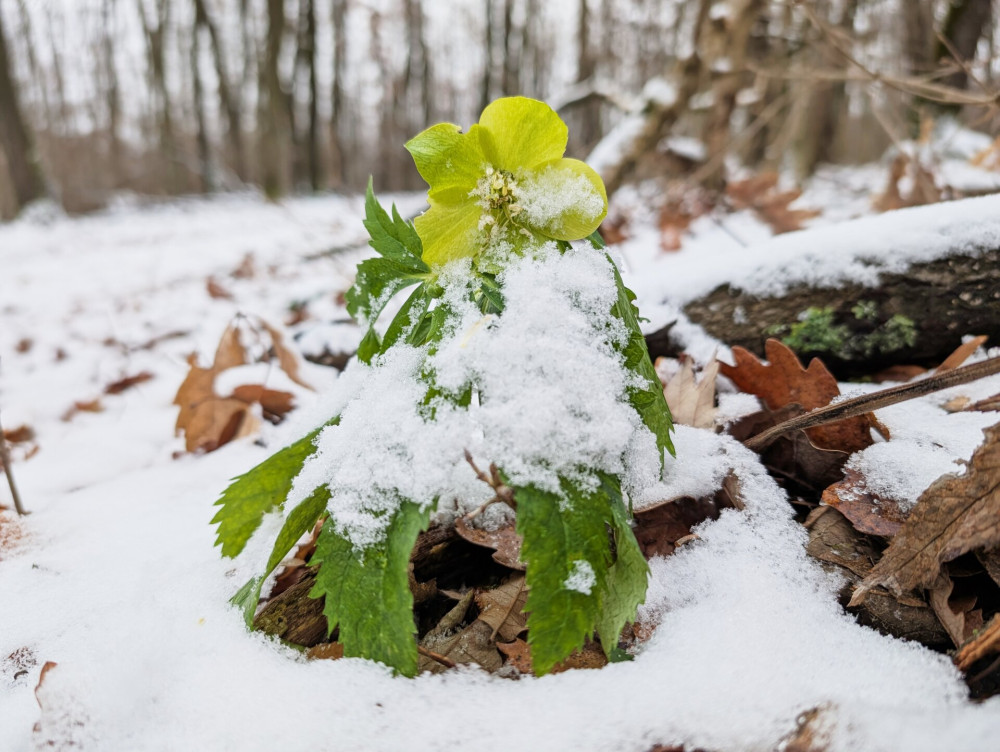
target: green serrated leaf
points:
(628, 577)
(299, 522)
(255, 493)
(560, 533)
(377, 281)
(367, 593)
(410, 312)
(489, 296)
(370, 346)
(407, 234)
(648, 399)
(386, 238)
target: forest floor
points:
(112, 587)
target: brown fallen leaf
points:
(658, 528)
(783, 381)
(502, 608)
(276, 404)
(833, 541)
(955, 515)
(691, 401)
(89, 406)
(217, 291)
(518, 655)
(22, 434)
(470, 644)
(247, 268)
(985, 643)
(126, 383)
(957, 615)
(24, 345)
(898, 373)
(805, 468)
(330, 651)
(286, 359)
(810, 735)
(868, 512)
(505, 542)
(759, 193)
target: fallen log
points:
(918, 316)
(900, 288)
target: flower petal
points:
(449, 232)
(525, 132)
(450, 161)
(564, 199)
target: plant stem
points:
(8, 471)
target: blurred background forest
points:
(103, 98)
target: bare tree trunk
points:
(205, 167)
(485, 94)
(112, 91)
(275, 122)
(511, 83)
(309, 157)
(155, 40)
(825, 110)
(588, 125)
(338, 113)
(966, 23)
(724, 50)
(417, 76)
(230, 104)
(15, 138)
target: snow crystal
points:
(581, 578)
(548, 195)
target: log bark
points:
(918, 316)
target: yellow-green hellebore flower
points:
(503, 184)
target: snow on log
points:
(902, 287)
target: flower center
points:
(498, 195)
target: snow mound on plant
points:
(550, 401)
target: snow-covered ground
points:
(114, 576)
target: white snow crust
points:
(115, 577)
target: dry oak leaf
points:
(502, 608)
(868, 512)
(784, 382)
(691, 401)
(955, 515)
(773, 207)
(518, 655)
(505, 542)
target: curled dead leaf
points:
(955, 515)
(691, 401)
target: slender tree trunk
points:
(588, 121)
(486, 87)
(966, 23)
(155, 41)
(15, 137)
(338, 113)
(724, 48)
(205, 166)
(275, 125)
(309, 157)
(112, 91)
(511, 83)
(230, 103)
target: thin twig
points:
(914, 86)
(869, 402)
(9, 472)
(502, 491)
(444, 661)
